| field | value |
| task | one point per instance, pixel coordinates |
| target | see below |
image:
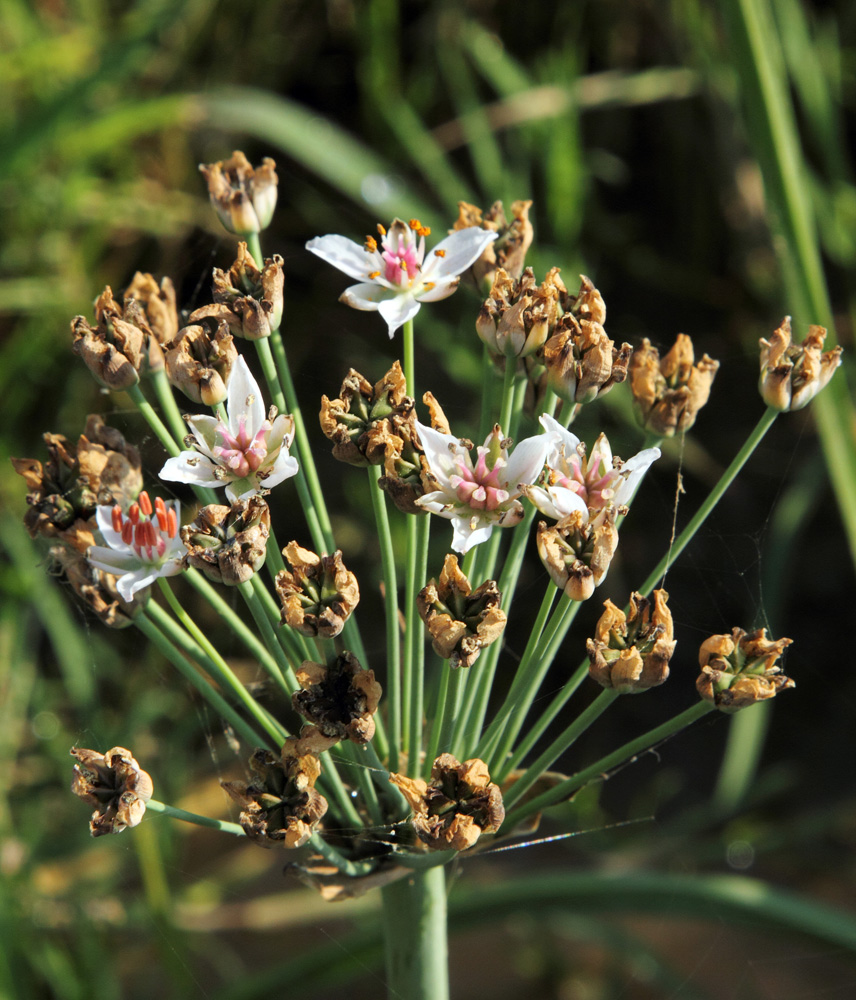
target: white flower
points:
(395, 277)
(248, 454)
(140, 546)
(576, 481)
(477, 498)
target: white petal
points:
(204, 429)
(438, 502)
(442, 289)
(440, 452)
(563, 438)
(284, 468)
(113, 561)
(366, 297)
(461, 247)
(139, 579)
(244, 403)
(464, 536)
(104, 520)
(343, 253)
(526, 462)
(557, 501)
(398, 310)
(192, 468)
(632, 472)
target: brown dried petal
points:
(339, 699)
(115, 784)
(668, 393)
(200, 364)
(793, 374)
(318, 593)
(229, 543)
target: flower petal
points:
(557, 501)
(562, 438)
(113, 561)
(442, 289)
(204, 429)
(344, 254)
(458, 250)
(244, 403)
(283, 468)
(398, 310)
(366, 297)
(526, 462)
(632, 472)
(464, 536)
(104, 520)
(189, 467)
(441, 451)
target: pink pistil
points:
(401, 265)
(240, 453)
(480, 487)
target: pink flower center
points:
(401, 264)
(145, 526)
(240, 453)
(583, 478)
(480, 488)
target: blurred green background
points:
(642, 130)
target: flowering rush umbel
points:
(142, 545)
(478, 497)
(246, 454)
(395, 278)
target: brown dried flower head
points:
(229, 543)
(280, 806)
(582, 362)
(454, 808)
(243, 198)
(157, 302)
(509, 250)
(363, 421)
(518, 316)
(97, 590)
(64, 492)
(461, 620)
(249, 300)
(740, 669)
(669, 392)
(200, 364)
(317, 593)
(793, 374)
(631, 652)
(115, 784)
(339, 700)
(577, 552)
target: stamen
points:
(371, 244)
(381, 230)
(171, 523)
(140, 534)
(373, 275)
(134, 513)
(439, 253)
(145, 504)
(127, 532)
(428, 286)
(117, 518)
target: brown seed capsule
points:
(508, 250)
(669, 392)
(339, 699)
(317, 593)
(229, 543)
(631, 652)
(115, 784)
(461, 620)
(249, 300)
(280, 806)
(199, 363)
(158, 304)
(793, 374)
(740, 669)
(518, 316)
(243, 198)
(454, 808)
(577, 552)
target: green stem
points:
(713, 498)
(168, 649)
(560, 745)
(409, 361)
(414, 915)
(154, 421)
(415, 638)
(282, 672)
(444, 676)
(390, 599)
(188, 817)
(168, 405)
(602, 767)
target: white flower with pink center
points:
(477, 497)
(395, 278)
(141, 545)
(246, 454)
(577, 481)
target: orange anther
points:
(127, 532)
(381, 230)
(140, 534)
(145, 504)
(439, 253)
(373, 275)
(371, 244)
(134, 513)
(172, 523)
(117, 518)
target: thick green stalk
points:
(414, 917)
(162, 809)
(168, 405)
(560, 745)
(601, 767)
(153, 420)
(444, 676)
(283, 675)
(415, 644)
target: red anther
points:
(151, 534)
(134, 513)
(172, 523)
(162, 520)
(127, 532)
(145, 504)
(117, 518)
(159, 504)
(140, 535)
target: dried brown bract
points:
(793, 374)
(519, 315)
(157, 302)
(115, 784)
(229, 544)
(199, 363)
(339, 699)
(631, 652)
(364, 421)
(669, 392)
(249, 300)
(317, 593)
(64, 492)
(582, 362)
(244, 198)
(509, 250)
(280, 806)
(461, 620)
(740, 669)
(577, 552)
(454, 808)
(97, 590)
